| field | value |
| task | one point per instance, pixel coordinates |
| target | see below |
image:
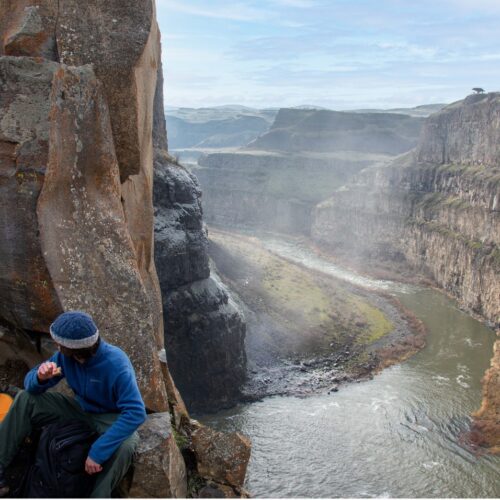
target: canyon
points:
(434, 210)
(275, 181)
(427, 215)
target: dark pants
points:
(34, 411)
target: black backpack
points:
(59, 467)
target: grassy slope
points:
(308, 313)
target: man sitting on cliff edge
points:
(107, 398)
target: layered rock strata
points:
(435, 209)
(275, 182)
(270, 190)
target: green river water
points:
(398, 435)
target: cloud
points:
(232, 11)
(332, 52)
(477, 6)
(299, 4)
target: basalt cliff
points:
(82, 142)
(435, 210)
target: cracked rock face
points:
(27, 296)
(221, 457)
(486, 428)
(76, 172)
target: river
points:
(398, 435)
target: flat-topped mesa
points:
(466, 132)
(326, 131)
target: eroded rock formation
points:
(486, 429)
(78, 87)
(79, 175)
(204, 330)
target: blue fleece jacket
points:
(105, 383)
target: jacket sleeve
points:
(31, 383)
(132, 415)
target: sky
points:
(338, 54)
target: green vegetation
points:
(182, 441)
(308, 311)
(448, 233)
(378, 325)
(195, 483)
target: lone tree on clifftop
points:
(478, 90)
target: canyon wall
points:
(267, 190)
(435, 209)
(275, 182)
(76, 173)
(81, 133)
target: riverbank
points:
(308, 332)
(404, 433)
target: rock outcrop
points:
(159, 468)
(76, 171)
(74, 242)
(204, 330)
(76, 213)
(486, 429)
(435, 209)
(222, 457)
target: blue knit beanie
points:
(74, 330)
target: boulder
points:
(159, 469)
(218, 490)
(220, 456)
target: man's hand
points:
(92, 467)
(47, 371)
